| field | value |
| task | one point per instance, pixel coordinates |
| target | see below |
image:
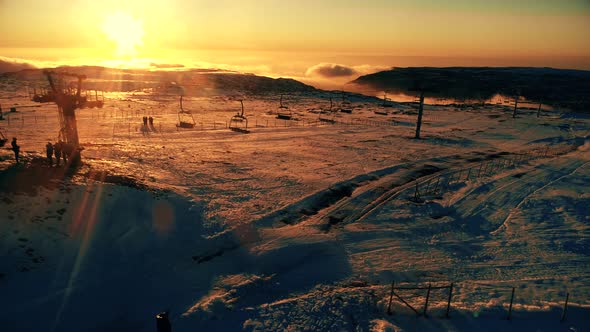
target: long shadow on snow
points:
(130, 255)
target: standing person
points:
(151, 120)
(65, 152)
(49, 151)
(145, 121)
(57, 151)
(16, 149)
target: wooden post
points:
(510, 307)
(468, 174)
(416, 193)
(480, 166)
(426, 303)
(436, 184)
(515, 107)
(567, 297)
(420, 111)
(390, 297)
(449, 301)
(539, 110)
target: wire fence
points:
(498, 298)
(436, 186)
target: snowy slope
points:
(299, 225)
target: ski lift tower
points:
(67, 100)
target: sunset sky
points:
(301, 39)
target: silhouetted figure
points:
(151, 120)
(49, 151)
(67, 151)
(57, 147)
(16, 149)
(163, 323)
(145, 121)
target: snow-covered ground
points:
(299, 225)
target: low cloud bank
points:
(11, 65)
(330, 70)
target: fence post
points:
(390, 297)
(567, 297)
(449, 301)
(416, 193)
(467, 178)
(427, 298)
(510, 307)
(436, 184)
(479, 173)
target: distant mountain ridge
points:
(565, 87)
(191, 81)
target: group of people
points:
(59, 150)
(148, 119)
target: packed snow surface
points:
(299, 225)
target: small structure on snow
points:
(239, 122)
(185, 118)
(328, 115)
(284, 112)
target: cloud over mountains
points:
(330, 70)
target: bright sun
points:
(125, 31)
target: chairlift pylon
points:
(239, 122)
(185, 118)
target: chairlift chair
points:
(185, 118)
(328, 115)
(239, 122)
(386, 101)
(284, 112)
(99, 103)
(345, 106)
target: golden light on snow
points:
(125, 31)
